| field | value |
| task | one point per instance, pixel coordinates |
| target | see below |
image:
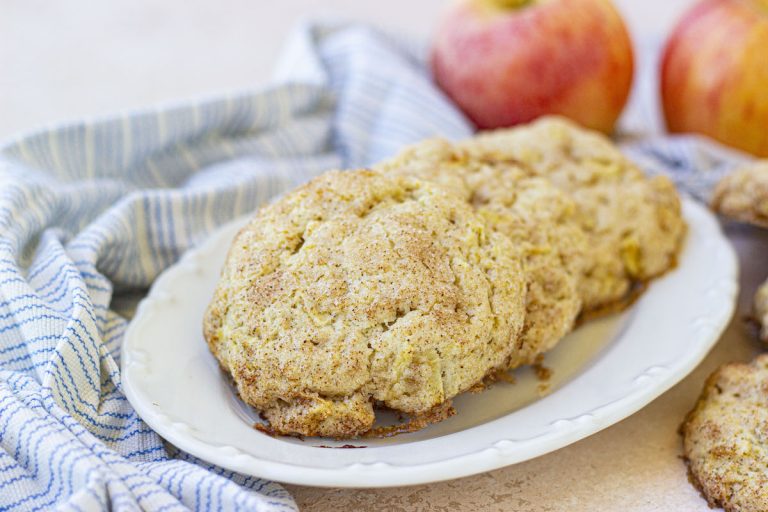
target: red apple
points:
(506, 62)
(714, 73)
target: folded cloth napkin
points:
(92, 211)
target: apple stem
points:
(508, 4)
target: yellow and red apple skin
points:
(505, 66)
(714, 74)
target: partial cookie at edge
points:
(725, 437)
(743, 194)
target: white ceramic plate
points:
(603, 372)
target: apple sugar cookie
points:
(633, 223)
(743, 194)
(360, 289)
(537, 217)
(725, 439)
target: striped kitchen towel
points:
(91, 212)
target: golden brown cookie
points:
(743, 194)
(633, 223)
(360, 288)
(725, 437)
(535, 215)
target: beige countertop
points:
(88, 57)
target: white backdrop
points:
(64, 60)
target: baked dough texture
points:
(403, 286)
(743, 194)
(633, 223)
(725, 437)
(361, 289)
(537, 217)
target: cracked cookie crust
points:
(360, 288)
(725, 437)
(536, 216)
(633, 223)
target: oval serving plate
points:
(601, 373)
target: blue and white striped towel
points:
(91, 212)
